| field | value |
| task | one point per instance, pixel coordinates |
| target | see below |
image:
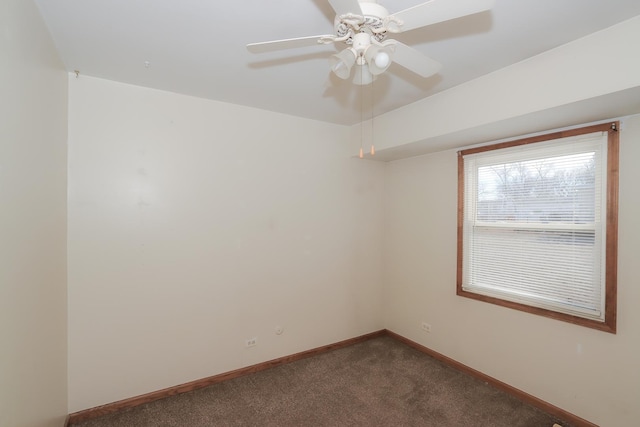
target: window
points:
(537, 225)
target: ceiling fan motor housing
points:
(372, 21)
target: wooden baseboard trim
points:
(110, 408)
(526, 397)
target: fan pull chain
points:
(361, 155)
(373, 100)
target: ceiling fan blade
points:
(435, 11)
(274, 45)
(413, 60)
(342, 7)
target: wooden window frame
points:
(611, 245)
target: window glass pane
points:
(557, 189)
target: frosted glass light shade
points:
(342, 62)
(362, 75)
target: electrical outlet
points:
(425, 327)
(251, 342)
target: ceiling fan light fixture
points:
(342, 62)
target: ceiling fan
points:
(363, 26)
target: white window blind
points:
(534, 227)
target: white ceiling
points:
(197, 47)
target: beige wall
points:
(33, 132)
(194, 225)
(590, 373)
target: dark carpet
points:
(380, 382)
